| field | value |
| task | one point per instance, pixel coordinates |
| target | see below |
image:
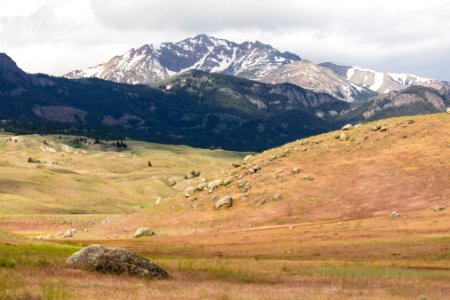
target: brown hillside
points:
(374, 173)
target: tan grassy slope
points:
(95, 179)
(373, 173)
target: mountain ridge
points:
(150, 63)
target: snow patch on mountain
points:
(151, 63)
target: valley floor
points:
(378, 258)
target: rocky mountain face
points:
(410, 101)
(380, 82)
(319, 79)
(151, 63)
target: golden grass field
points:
(333, 237)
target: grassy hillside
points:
(58, 175)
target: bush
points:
(195, 173)
(32, 160)
(6, 262)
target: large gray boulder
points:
(114, 261)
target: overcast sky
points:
(57, 36)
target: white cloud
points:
(56, 36)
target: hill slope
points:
(48, 175)
(372, 173)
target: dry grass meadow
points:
(332, 237)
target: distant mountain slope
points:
(410, 101)
(319, 79)
(151, 63)
(380, 82)
(195, 108)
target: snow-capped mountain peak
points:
(381, 82)
(151, 63)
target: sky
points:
(58, 36)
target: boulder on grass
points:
(115, 261)
(144, 231)
(224, 202)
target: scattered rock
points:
(343, 136)
(448, 110)
(214, 184)
(115, 261)
(273, 157)
(143, 231)
(304, 142)
(236, 165)
(437, 208)
(214, 198)
(202, 186)
(383, 128)
(410, 121)
(224, 202)
(60, 233)
(228, 180)
(68, 234)
(243, 185)
(277, 197)
(308, 178)
(248, 158)
(259, 203)
(158, 201)
(189, 191)
(395, 214)
(295, 170)
(253, 169)
(347, 127)
(375, 127)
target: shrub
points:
(32, 160)
(195, 173)
(6, 262)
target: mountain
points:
(409, 101)
(380, 82)
(195, 108)
(151, 63)
(319, 79)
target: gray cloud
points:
(386, 35)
